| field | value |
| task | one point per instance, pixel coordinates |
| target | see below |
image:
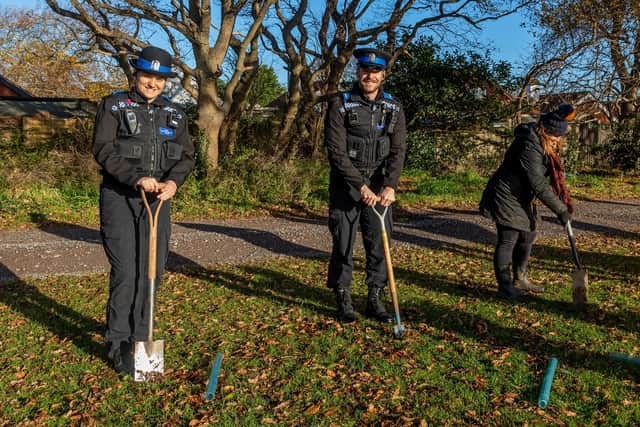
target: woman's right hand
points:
(148, 184)
(564, 217)
(369, 198)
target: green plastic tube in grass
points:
(213, 378)
(624, 358)
(545, 390)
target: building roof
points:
(57, 107)
(587, 107)
(13, 88)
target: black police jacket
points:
(522, 177)
(134, 139)
(365, 138)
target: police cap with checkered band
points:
(154, 60)
(372, 59)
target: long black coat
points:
(522, 177)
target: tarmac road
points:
(75, 250)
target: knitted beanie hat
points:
(555, 122)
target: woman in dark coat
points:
(141, 141)
(509, 196)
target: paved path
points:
(73, 250)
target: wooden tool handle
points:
(392, 280)
(153, 233)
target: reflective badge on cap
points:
(166, 131)
(155, 65)
(372, 57)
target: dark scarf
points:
(558, 184)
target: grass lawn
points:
(300, 187)
(468, 358)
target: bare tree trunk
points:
(318, 126)
(231, 125)
(301, 131)
(293, 105)
(229, 134)
(210, 118)
(286, 130)
(306, 121)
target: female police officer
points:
(510, 193)
(140, 140)
(365, 135)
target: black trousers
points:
(124, 228)
(514, 246)
(345, 215)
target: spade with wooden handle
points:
(148, 356)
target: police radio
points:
(353, 118)
(172, 120)
(131, 121)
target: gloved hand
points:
(564, 217)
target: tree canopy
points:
(49, 57)
(450, 90)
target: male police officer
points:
(140, 140)
(365, 134)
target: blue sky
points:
(510, 42)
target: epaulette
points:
(166, 98)
(387, 95)
(346, 96)
(120, 92)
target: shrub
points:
(248, 179)
(623, 150)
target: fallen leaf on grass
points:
(331, 411)
(282, 405)
(510, 398)
(312, 410)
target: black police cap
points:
(372, 58)
(154, 60)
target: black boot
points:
(346, 314)
(122, 357)
(505, 285)
(521, 282)
(375, 307)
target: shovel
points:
(398, 330)
(580, 277)
(148, 356)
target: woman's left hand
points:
(387, 196)
(168, 191)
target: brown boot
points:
(521, 282)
